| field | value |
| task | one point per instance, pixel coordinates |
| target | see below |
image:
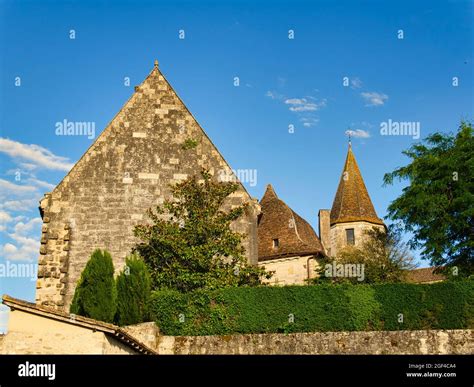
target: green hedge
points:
(345, 307)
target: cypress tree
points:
(95, 294)
(133, 292)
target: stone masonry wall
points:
(290, 271)
(324, 343)
(32, 334)
(338, 234)
(324, 229)
(126, 171)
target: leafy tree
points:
(190, 244)
(95, 294)
(133, 292)
(438, 204)
(383, 253)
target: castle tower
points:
(352, 212)
(152, 143)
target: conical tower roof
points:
(352, 202)
(278, 221)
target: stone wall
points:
(127, 170)
(290, 271)
(338, 235)
(32, 334)
(324, 229)
(396, 342)
(147, 333)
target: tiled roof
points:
(424, 275)
(89, 323)
(352, 202)
(278, 221)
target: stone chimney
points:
(324, 228)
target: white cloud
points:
(35, 154)
(374, 99)
(303, 105)
(24, 246)
(270, 94)
(22, 228)
(8, 248)
(20, 205)
(356, 83)
(358, 133)
(308, 122)
(273, 95)
(5, 217)
(28, 250)
(41, 183)
(7, 187)
(28, 166)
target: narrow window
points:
(276, 243)
(350, 238)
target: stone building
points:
(153, 142)
(287, 244)
(39, 330)
(352, 212)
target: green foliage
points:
(190, 244)
(95, 294)
(190, 314)
(133, 292)
(438, 204)
(329, 307)
(384, 255)
(443, 305)
(189, 143)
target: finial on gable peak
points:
(156, 63)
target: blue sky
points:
(47, 77)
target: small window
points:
(350, 238)
(276, 243)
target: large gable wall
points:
(126, 171)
